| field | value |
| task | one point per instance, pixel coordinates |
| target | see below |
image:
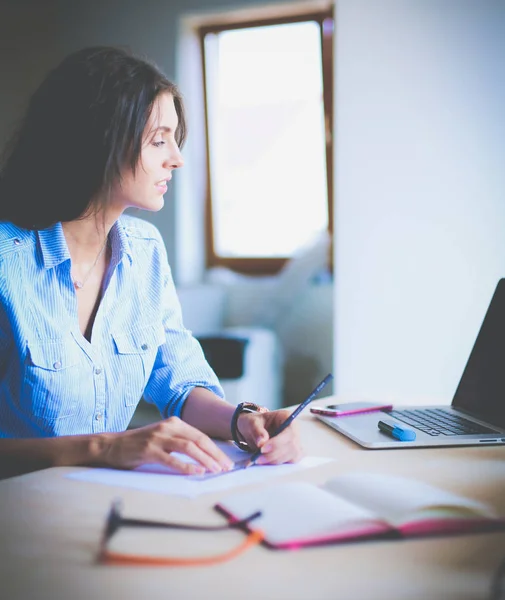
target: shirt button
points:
(98, 371)
(98, 416)
(57, 365)
(17, 241)
(144, 346)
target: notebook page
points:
(397, 499)
(164, 481)
(297, 511)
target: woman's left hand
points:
(256, 429)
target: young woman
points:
(89, 317)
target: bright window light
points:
(267, 149)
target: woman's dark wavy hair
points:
(84, 125)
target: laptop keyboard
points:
(437, 421)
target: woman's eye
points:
(158, 144)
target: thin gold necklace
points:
(79, 283)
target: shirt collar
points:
(120, 243)
(53, 245)
(55, 250)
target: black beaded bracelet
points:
(243, 407)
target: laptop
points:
(476, 416)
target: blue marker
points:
(395, 431)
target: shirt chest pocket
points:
(51, 379)
(136, 352)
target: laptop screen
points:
(481, 390)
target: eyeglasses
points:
(115, 521)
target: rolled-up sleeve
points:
(180, 364)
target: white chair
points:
(204, 313)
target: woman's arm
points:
(204, 414)
(23, 455)
(125, 450)
(209, 413)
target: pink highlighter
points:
(350, 408)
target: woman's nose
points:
(175, 160)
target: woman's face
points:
(160, 155)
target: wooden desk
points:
(50, 526)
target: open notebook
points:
(357, 506)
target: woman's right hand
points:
(155, 444)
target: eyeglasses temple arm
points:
(162, 525)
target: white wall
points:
(420, 190)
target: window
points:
(268, 116)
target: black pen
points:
(292, 416)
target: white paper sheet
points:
(157, 478)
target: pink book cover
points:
(357, 507)
(364, 532)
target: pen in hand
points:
(254, 457)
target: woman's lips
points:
(162, 185)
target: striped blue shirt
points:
(53, 381)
